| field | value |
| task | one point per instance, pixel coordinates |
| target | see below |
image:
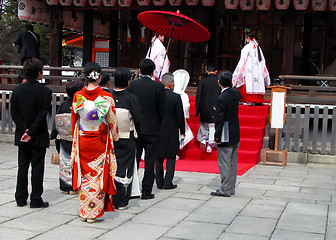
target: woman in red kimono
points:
(94, 127)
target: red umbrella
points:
(174, 25)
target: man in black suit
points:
(151, 96)
(206, 95)
(29, 44)
(30, 104)
(227, 134)
(172, 125)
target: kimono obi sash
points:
(125, 123)
(63, 126)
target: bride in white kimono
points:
(181, 80)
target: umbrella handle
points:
(164, 59)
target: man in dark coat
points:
(227, 134)
(29, 44)
(172, 125)
(30, 104)
(206, 95)
(151, 97)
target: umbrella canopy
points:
(174, 25)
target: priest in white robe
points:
(251, 72)
(157, 53)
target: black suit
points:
(29, 45)
(172, 125)
(30, 104)
(151, 96)
(206, 95)
(227, 106)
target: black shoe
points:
(218, 194)
(40, 205)
(173, 186)
(21, 204)
(147, 196)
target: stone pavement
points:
(271, 202)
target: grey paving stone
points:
(135, 231)
(227, 202)
(269, 202)
(331, 233)
(302, 223)
(196, 231)
(70, 232)
(317, 190)
(247, 192)
(286, 235)
(158, 216)
(17, 234)
(6, 198)
(214, 215)
(272, 187)
(236, 236)
(12, 211)
(179, 204)
(38, 221)
(332, 215)
(306, 209)
(297, 196)
(108, 222)
(195, 196)
(263, 211)
(252, 226)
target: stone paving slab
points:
(196, 231)
(236, 236)
(286, 235)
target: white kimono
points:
(157, 54)
(250, 71)
(181, 80)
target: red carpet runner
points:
(252, 120)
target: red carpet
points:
(252, 120)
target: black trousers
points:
(149, 143)
(167, 181)
(35, 156)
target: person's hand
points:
(235, 84)
(25, 137)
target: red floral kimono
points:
(93, 162)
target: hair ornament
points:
(94, 75)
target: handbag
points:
(55, 159)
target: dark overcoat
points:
(172, 124)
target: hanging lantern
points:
(332, 5)
(175, 2)
(79, 3)
(24, 12)
(109, 3)
(208, 3)
(246, 5)
(65, 3)
(159, 2)
(192, 2)
(263, 4)
(36, 11)
(231, 4)
(301, 4)
(144, 2)
(124, 3)
(319, 5)
(282, 4)
(95, 3)
(142, 33)
(52, 2)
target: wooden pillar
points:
(308, 18)
(135, 39)
(87, 37)
(212, 40)
(289, 42)
(114, 35)
(55, 44)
